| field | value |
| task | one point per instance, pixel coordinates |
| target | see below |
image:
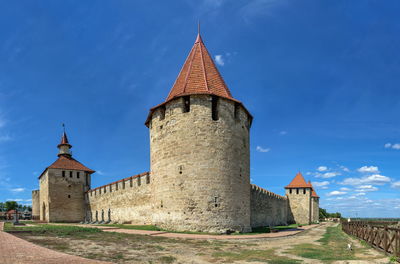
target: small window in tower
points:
(162, 112)
(139, 181)
(63, 173)
(116, 186)
(110, 188)
(77, 174)
(290, 191)
(131, 182)
(214, 108)
(70, 174)
(123, 184)
(69, 196)
(147, 179)
(87, 179)
(236, 112)
(216, 201)
(304, 191)
(297, 191)
(186, 104)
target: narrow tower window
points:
(77, 174)
(63, 173)
(236, 111)
(70, 174)
(162, 112)
(304, 191)
(290, 191)
(297, 191)
(214, 108)
(186, 104)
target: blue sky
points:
(321, 78)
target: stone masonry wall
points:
(124, 201)
(35, 204)
(315, 209)
(201, 166)
(66, 201)
(267, 208)
(300, 205)
(44, 197)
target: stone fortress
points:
(199, 177)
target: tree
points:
(2, 207)
(11, 205)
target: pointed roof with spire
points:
(64, 140)
(65, 161)
(199, 75)
(298, 182)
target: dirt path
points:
(14, 250)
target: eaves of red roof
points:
(298, 182)
(68, 163)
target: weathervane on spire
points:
(198, 27)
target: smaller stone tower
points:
(62, 188)
(314, 206)
(299, 194)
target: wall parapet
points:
(266, 192)
(121, 184)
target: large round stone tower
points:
(200, 155)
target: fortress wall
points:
(128, 201)
(36, 204)
(267, 208)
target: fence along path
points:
(376, 234)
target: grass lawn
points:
(136, 227)
(333, 247)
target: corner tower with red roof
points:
(61, 197)
(199, 148)
(302, 201)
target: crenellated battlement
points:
(129, 182)
(267, 193)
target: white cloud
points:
(219, 60)
(327, 175)
(335, 193)
(322, 168)
(18, 190)
(282, 133)
(372, 179)
(261, 149)
(16, 200)
(320, 184)
(366, 188)
(396, 146)
(396, 185)
(100, 172)
(345, 189)
(370, 169)
(392, 146)
(344, 168)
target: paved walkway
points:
(14, 250)
(201, 236)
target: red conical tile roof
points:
(199, 75)
(64, 140)
(299, 182)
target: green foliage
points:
(394, 259)
(324, 214)
(136, 227)
(11, 205)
